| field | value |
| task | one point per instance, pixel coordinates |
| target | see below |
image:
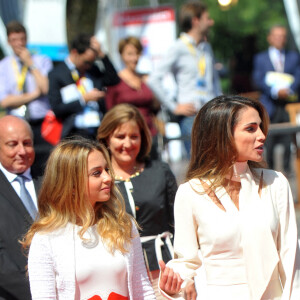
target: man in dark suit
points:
(76, 87)
(16, 210)
(276, 75)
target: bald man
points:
(16, 210)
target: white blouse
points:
(51, 267)
(97, 271)
(247, 254)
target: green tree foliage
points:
(81, 17)
(247, 18)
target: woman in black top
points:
(148, 187)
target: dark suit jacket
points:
(61, 76)
(262, 65)
(14, 223)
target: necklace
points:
(135, 174)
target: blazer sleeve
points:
(259, 73)
(171, 188)
(111, 97)
(60, 77)
(41, 269)
(141, 286)
(186, 248)
(295, 87)
(110, 75)
(288, 248)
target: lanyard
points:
(192, 49)
(77, 79)
(20, 76)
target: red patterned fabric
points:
(112, 296)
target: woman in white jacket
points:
(83, 244)
(239, 215)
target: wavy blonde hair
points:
(63, 200)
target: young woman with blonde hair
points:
(84, 245)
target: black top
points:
(153, 193)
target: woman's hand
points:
(169, 282)
(190, 292)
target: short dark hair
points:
(188, 11)
(14, 27)
(81, 42)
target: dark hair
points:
(81, 42)
(189, 11)
(117, 116)
(14, 27)
(213, 152)
(130, 40)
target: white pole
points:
(292, 11)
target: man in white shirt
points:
(191, 61)
(18, 204)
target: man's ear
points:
(195, 21)
(73, 52)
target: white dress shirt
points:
(16, 185)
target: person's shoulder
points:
(5, 60)
(176, 47)
(292, 52)
(271, 177)
(60, 66)
(156, 163)
(193, 185)
(261, 54)
(39, 239)
(293, 55)
(43, 236)
(59, 69)
(158, 166)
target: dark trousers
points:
(280, 116)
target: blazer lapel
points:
(37, 181)
(287, 62)
(269, 64)
(9, 194)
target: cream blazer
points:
(251, 253)
(51, 267)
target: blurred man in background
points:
(276, 74)
(191, 61)
(24, 86)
